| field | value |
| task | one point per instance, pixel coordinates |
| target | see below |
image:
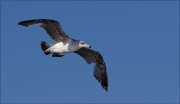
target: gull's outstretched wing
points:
(92, 56)
(52, 27)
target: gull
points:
(64, 44)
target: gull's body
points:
(64, 44)
(62, 48)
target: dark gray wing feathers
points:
(100, 72)
(52, 27)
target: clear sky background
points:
(139, 41)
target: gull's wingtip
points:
(22, 23)
(106, 88)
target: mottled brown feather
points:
(52, 27)
(92, 56)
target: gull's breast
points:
(60, 48)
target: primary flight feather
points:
(64, 44)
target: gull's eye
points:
(82, 43)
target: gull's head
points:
(83, 45)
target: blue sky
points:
(139, 41)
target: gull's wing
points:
(100, 72)
(52, 27)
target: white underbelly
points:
(60, 48)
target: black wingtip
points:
(19, 23)
(106, 88)
(33, 21)
(22, 23)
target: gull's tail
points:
(45, 46)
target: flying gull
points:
(64, 44)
